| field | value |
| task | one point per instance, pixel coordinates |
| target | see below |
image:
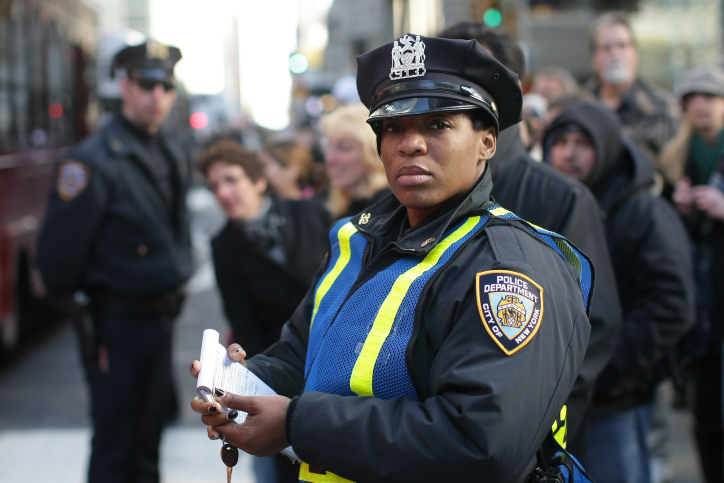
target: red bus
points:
(47, 52)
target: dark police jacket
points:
(539, 194)
(462, 409)
(260, 294)
(108, 225)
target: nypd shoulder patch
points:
(511, 306)
(72, 179)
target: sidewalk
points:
(61, 455)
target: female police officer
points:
(443, 334)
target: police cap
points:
(416, 75)
(149, 61)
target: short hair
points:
(570, 99)
(290, 153)
(231, 152)
(500, 45)
(605, 21)
(481, 119)
(568, 82)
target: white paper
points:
(219, 371)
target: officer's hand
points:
(710, 201)
(236, 354)
(264, 431)
(206, 408)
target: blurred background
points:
(253, 70)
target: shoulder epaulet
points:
(575, 258)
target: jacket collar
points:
(385, 218)
(121, 141)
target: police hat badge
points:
(408, 58)
(511, 306)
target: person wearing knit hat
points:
(692, 164)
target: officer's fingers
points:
(212, 434)
(248, 404)
(195, 369)
(237, 353)
(234, 434)
(202, 406)
(219, 419)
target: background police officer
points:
(117, 229)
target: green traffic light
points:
(492, 17)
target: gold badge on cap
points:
(72, 179)
(156, 50)
(408, 59)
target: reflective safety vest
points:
(358, 340)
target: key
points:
(230, 456)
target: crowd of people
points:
(629, 173)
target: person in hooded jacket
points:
(654, 277)
(541, 195)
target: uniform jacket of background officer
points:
(650, 255)
(470, 411)
(120, 233)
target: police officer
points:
(116, 228)
(444, 333)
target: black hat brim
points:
(418, 105)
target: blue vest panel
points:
(363, 352)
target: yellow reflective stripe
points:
(500, 211)
(327, 477)
(560, 433)
(567, 251)
(343, 235)
(361, 380)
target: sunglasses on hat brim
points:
(149, 85)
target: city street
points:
(46, 437)
(44, 414)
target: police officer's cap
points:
(417, 75)
(149, 61)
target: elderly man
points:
(648, 114)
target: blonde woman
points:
(355, 171)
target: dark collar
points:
(124, 138)
(387, 216)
